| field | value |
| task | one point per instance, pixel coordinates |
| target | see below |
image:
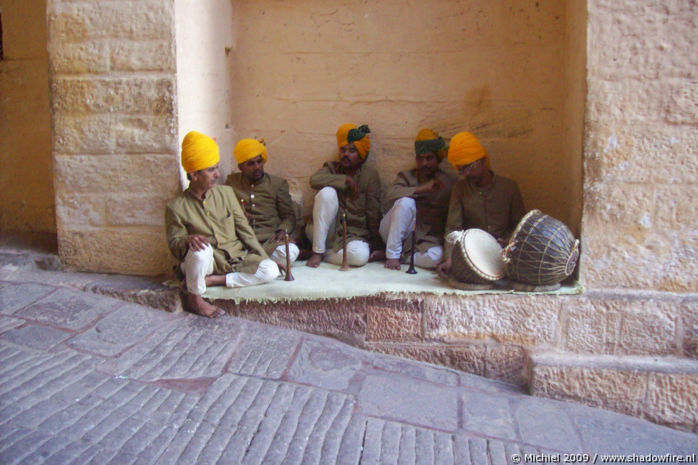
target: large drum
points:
(476, 260)
(541, 252)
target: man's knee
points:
(357, 253)
(405, 204)
(326, 194)
(267, 270)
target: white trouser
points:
(199, 264)
(325, 210)
(279, 253)
(396, 225)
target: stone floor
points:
(90, 379)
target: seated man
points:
(208, 232)
(265, 200)
(420, 204)
(480, 199)
(347, 187)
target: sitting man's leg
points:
(267, 271)
(430, 258)
(357, 254)
(324, 214)
(197, 266)
(279, 253)
(395, 227)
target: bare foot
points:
(314, 260)
(392, 264)
(215, 280)
(377, 256)
(198, 305)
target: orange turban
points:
(358, 137)
(247, 149)
(428, 141)
(465, 149)
(198, 152)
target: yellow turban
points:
(428, 141)
(247, 149)
(465, 149)
(198, 152)
(357, 136)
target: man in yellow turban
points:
(208, 233)
(266, 200)
(419, 199)
(480, 199)
(350, 191)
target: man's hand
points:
(353, 187)
(432, 185)
(196, 242)
(280, 236)
(444, 267)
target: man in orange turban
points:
(480, 199)
(208, 233)
(419, 199)
(266, 200)
(349, 190)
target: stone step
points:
(661, 389)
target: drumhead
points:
(483, 253)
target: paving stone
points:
(36, 337)
(15, 296)
(8, 323)
(544, 423)
(264, 351)
(188, 347)
(417, 370)
(67, 309)
(406, 399)
(117, 331)
(488, 414)
(326, 364)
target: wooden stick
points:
(411, 269)
(289, 276)
(345, 266)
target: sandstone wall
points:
(112, 68)
(640, 229)
(302, 68)
(26, 178)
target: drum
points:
(476, 260)
(541, 252)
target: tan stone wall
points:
(303, 68)
(640, 229)
(26, 178)
(112, 68)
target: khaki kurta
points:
(496, 208)
(432, 208)
(363, 212)
(220, 219)
(271, 208)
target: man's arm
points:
(401, 187)
(284, 206)
(454, 221)
(324, 177)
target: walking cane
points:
(411, 269)
(289, 276)
(345, 266)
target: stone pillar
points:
(113, 108)
(639, 227)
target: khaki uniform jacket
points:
(432, 208)
(220, 219)
(270, 210)
(496, 208)
(363, 212)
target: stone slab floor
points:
(88, 379)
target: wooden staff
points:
(411, 269)
(289, 276)
(345, 266)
